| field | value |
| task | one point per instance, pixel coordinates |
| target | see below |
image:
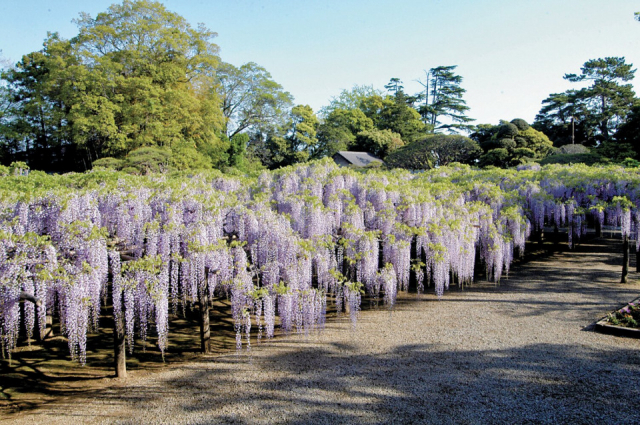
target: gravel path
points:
(522, 352)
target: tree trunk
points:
(541, 238)
(598, 229)
(119, 348)
(205, 330)
(570, 236)
(48, 328)
(625, 259)
(413, 280)
(637, 260)
(477, 266)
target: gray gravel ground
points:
(523, 352)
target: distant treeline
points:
(140, 89)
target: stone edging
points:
(603, 326)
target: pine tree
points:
(443, 99)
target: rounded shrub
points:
(507, 130)
(520, 124)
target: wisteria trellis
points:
(277, 244)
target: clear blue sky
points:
(511, 53)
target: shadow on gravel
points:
(544, 273)
(414, 383)
(537, 383)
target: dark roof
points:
(359, 159)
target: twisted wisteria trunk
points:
(205, 330)
(625, 259)
(119, 347)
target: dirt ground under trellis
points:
(521, 352)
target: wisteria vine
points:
(281, 245)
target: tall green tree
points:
(627, 138)
(394, 113)
(36, 124)
(394, 86)
(303, 132)
(297, 141)
(600, 108)
(443, 99)
(251, 100)
(136, 75)
(8, 143)
(378, 142)
(367, 119)
(153, 72)
(350, 99)
(338, 131)
(237, 149)
(607, 98)
(564, 118)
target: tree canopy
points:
(136, 75)
(443, 97)
(139, 81)
(296, 141)
(596, 111)
(251, 100)
(435, 151)
(511, 143)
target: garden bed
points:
(622, 322)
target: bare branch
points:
(28, 297)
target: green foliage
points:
(149, 160)
(339, 129)
(498, 157)
(570, 149)
(412, 157)
(436, 150)
(350, 99)
(394, 113)
(522, 156)
(483, 133)
(630, 163)
(33, 126)
(251, 100)
(297, 141)
(305, 128)
(573, 158)
(507, 130)
(623, 202)
(505, 143)
(186, 156)
(237, 149)
(153, 159)
(520, 124)
(521, 142)
(616, 151)
(537, 141)
(443, 98)
(131, 170)
(136, 75)
(109, 163)
(597, 111)
(378, 142)
(394, 86)
(628, 134)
